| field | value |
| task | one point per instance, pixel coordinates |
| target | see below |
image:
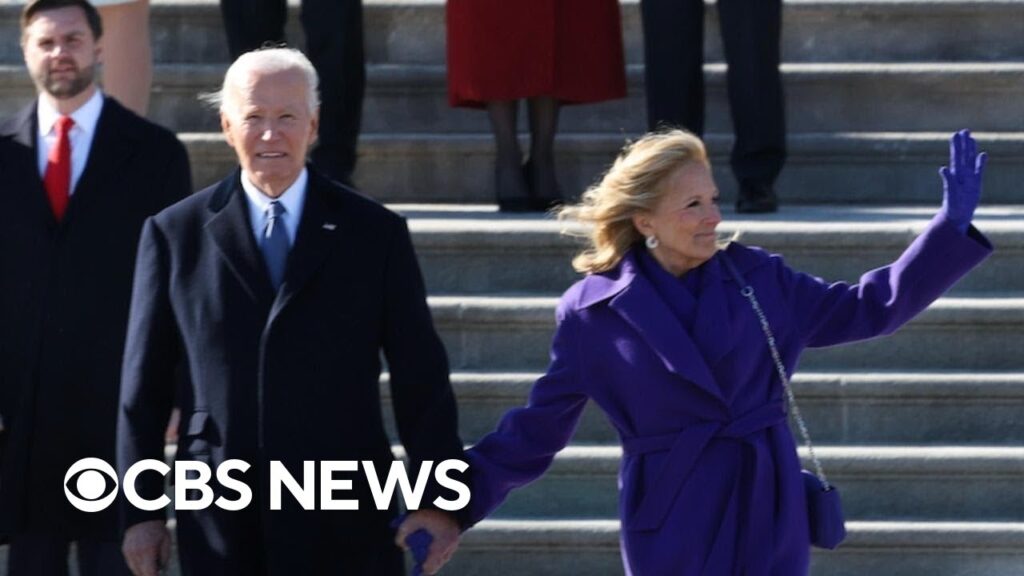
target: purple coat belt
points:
(684, 450)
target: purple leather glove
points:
(962, 180)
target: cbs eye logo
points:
(90, 485)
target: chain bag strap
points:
(824, 508)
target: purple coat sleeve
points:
(885, 298)
(526, 440)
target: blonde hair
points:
(631, 186)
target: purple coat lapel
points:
(631, 296)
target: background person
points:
(674, 78)
(80, 175)
(548, 52)
(334, 43)
(128, 61)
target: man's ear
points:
(315, 126)
(225, 127)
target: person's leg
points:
(37, 555)
(542, 180)
(101, 558)
(750, 35)
(248, 24)
(127, 56)
(673, 63)
(334, 43)
(510, 185)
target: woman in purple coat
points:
(659, 336)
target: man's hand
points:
(147, 548)
(441, 526)
(962, 180)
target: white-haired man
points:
(278, 289)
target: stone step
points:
(819, 97)
(823, 168)
(560, 547)
(841, 408)
(876, 483)
(591, 547)
(813, 31)
(473, 249)
(970, 334)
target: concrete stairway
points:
(923, 431)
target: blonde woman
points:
(659, 335)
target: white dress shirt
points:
(293, 199)
(81, 134)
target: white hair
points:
(267, 60)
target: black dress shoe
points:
(757, 199)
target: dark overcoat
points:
(710, 480)
(288, 376)
(64, 294)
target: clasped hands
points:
(444, 538)
(147, 545)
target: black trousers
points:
(44, 555)
(674, 58)
(334, 44)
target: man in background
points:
(79, 174)
(674, 78)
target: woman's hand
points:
(962, 180)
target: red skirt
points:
(510, 49)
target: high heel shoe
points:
(541, 202)
(512, 191)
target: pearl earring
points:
(651, 242)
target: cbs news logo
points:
(91, 485)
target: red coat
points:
(507, 50)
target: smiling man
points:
(80, 174)
(279, 289)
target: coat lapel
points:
(232, 234)
(641, 306)
(314, 240)
(21, 129)
(113, 145)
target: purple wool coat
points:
(710, 480)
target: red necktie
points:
(57, 180)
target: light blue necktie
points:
(274, 243)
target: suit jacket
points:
(710, 479)
(290, 376)
(64, 294)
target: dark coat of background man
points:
(70, 225)
(674, 78)
(283, 366)
(334, 44)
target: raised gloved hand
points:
(962, 180)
